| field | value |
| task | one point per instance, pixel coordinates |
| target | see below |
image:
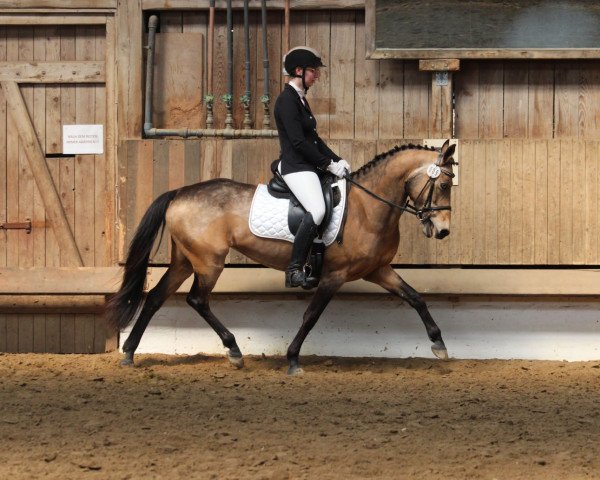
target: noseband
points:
(433, 171)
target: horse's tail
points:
(122, 307)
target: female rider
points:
(304, 156)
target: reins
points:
(407, 207)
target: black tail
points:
(122, 307)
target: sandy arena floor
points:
(76, 416)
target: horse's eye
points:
(444, 186)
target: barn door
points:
(56, 210)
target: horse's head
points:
(429, 186)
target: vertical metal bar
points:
(211, 33)
(286, 37)
(247, 45)
(266, 97)
(265, 46)
(229, 95)
(246, 98)
(152, 26)
(229, 48)
(210, 97)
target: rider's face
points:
(311, 75)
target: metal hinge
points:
(26, 225)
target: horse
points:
(207, 219)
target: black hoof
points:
(294, 369)
(235, 357)
(128, 360)
(439, 350)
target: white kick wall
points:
(379, 325)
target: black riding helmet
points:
(303, 57)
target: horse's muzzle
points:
(443, 233)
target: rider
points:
(304, 156)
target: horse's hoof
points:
(236, 361)
(439, 350)
(295, 371)
(127, 362)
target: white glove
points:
(337, 169)
(345, 164)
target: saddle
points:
(279, 189)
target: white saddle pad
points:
(269, 216)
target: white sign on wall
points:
(79, 139)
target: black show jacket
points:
(301, 147)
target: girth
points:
(279, 189)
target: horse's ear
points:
(447, 151)
(445, 147)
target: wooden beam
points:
(440, 116)
(451, 281)
(237, 4)
(54, 18)
(60, 280)
(259, 280)
(41, 173)
(60, 4)
(440, 65)
(502, 53)
(51, 303)
(110, 157)
(129, 68)
(52, 72)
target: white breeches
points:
(307, 189)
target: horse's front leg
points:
(327, 288)
(392, 282)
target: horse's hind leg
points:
(198, 300)
(179, 270)
(392, 282)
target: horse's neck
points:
(388, 181)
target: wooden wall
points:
(81, 182)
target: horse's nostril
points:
(443, 233)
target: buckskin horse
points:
(205, 220)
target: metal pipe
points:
(266, 97)
(209, 98)
(205, 132)
(211, 33)
(152, 27)
(246, 98)
(286, 36)
(228, 97)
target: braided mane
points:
(382, 156)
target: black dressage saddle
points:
(279, 189)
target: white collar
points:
(298, 90)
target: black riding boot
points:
(307, 231)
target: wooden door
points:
(54, 75)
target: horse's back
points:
(214, 208)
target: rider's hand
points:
(345, 164)
(337, 169)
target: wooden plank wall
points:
(354, 99)
(519, 202)
(80, 180)
(528, 99)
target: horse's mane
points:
(382, 156)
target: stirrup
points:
(295, 278)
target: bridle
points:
(433, 171)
